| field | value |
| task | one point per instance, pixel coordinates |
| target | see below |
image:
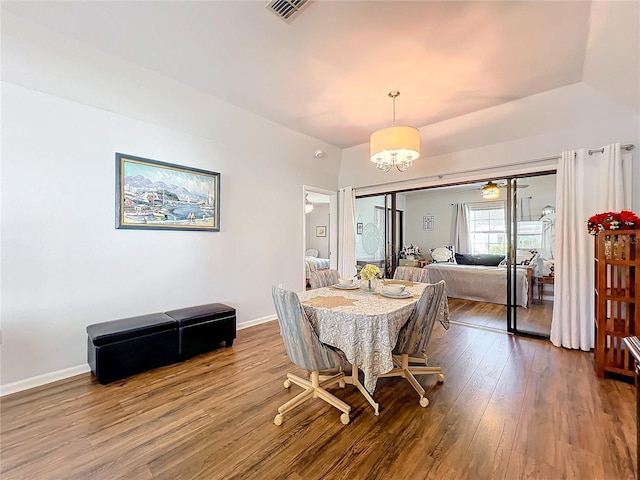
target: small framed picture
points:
(427, 222)
(321, 231)
(359, 228)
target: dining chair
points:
(311, 252)
(308, 352)
(411, 273)
(414, 337)
(323, 278)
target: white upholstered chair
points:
(411, 273)
(308, 352)
(323, 278)
(415, 335)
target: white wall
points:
(64, 265)
(612, 61)
(318, 217)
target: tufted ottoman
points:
(121, 348)
(203, 328)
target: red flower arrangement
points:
(624, 220)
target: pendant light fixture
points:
(490, 191)
(308, 206)
(396, 145)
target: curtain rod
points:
(628, 147)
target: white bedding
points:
(313, 263)
(482, 284)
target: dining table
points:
(363, 324)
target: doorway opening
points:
(319, 240)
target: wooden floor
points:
(534, 319)
(510, 408)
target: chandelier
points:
(308, 206)
(396, 145)
(490, 191)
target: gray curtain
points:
(461, 238)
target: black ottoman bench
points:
(121, 348)
(203, 328)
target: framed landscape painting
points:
(163, 196)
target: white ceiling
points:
(327, 73)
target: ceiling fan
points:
(497, 184)
(491, 190)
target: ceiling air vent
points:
(286, 9)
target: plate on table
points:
(349, 287)
(404, 294)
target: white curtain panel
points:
(461, 236)
(347, 240)
(549, 233)
(586, 185)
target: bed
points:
(482, 283)
(313, 263)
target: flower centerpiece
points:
(410, 251)
(624, 220)
(368, 273)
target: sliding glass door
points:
(531, 219)
(516, 222)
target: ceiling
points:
(327, 73)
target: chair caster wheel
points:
(278, 420)
(440, 378)
(424, 401)
(344, 418)
(287, 383)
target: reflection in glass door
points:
(370, 243)
(382, 231)
(530, 257)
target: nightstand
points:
(403, 262)
(542, 281)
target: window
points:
(487, 228)
(530, 235)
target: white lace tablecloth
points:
(366, 329)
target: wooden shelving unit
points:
(617, 285)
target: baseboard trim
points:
(40, 380)
(257, 321)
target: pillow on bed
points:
(464, 258)
(443, 254)
(489, 260)
(484, 259)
